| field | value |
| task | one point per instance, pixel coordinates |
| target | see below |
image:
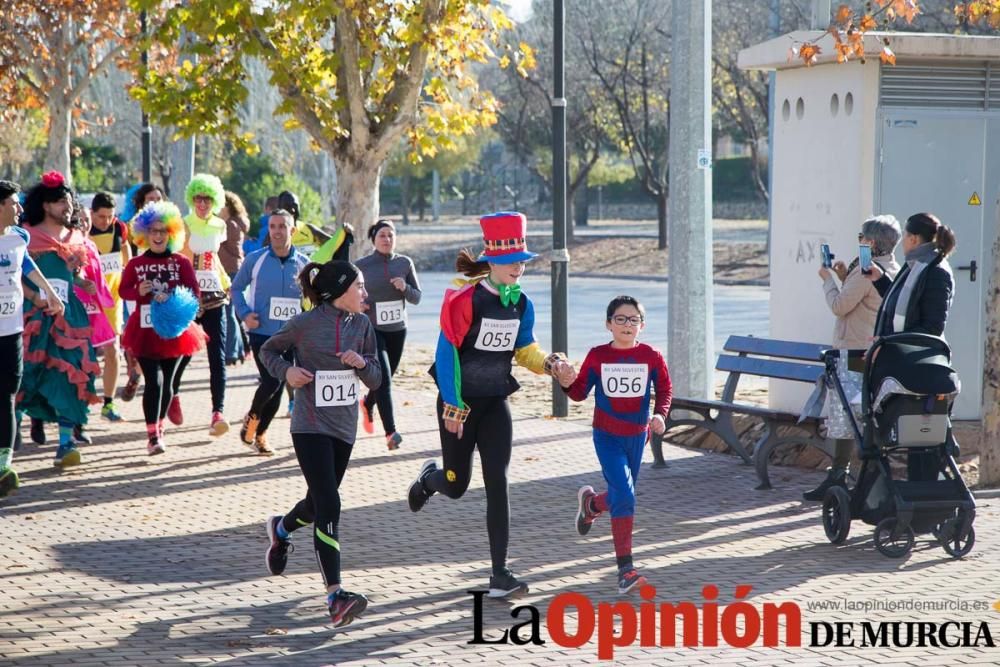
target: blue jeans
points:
(620, 457)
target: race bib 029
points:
(624, 380)
(336, 388)
(497, 335)
(10, 303)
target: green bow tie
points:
(509, 294)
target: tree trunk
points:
(404, 197)
(661, 219)
(60, 134)
(989, 443)
(357, 196)
(581, 206)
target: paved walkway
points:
(131, 560)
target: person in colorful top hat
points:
(205, 234)
(485, 325)
(59, 361)
(15, 265)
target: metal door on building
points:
(934, 161)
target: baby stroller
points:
(907, 392)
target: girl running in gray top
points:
(334, 347)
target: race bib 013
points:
(336, 388)
(497, 335)
(390, 312)
(624, 380)
(282, 308)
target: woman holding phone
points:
(855, 303)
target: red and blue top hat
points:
(504, 238)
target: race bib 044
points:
(111, 263)
(624, 380)
(336, 388)
(497, 335)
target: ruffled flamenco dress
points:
(60, 366)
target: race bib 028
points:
(624, 380)
(145, 317)
(208, 281)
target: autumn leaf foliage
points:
(850, 25)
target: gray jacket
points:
(378, 269)
(316, 337)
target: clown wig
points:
(161, 211)
(209, 186)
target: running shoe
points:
(393, 440)
(219, 425)
(346, 607)
(260, 445)
(155, 446)
(276, 556)
(131, 387)
(9, 482)
(37, 431)
(110, 412)
(629, 580)
(291, 406)
(81, 436)
(418, 494)
(506, 585)
(366, 417)
(174, 412)
(67, 455)
(584, 516)
(248, 431)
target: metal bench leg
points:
(762, 454)
(725, 430)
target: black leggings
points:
(214, 324)
(267, 398)
(323, 460)
(390, 351)
(161, 377)
(489, 428)
(12, 354)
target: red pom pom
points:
(53, 179)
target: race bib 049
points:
(336, 388)
(282, 308)
(390, 312)
(208, 281)
(497, 335)
(111, 263)
(624, 380)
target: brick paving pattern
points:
(133, 560)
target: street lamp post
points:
(560, 255)
(147, 131)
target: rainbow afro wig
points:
(209, 186)
(164, 212)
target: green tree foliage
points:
(254, 178)
(97, 166)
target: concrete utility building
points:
(854, 139)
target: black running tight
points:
(488, 428)
(323, 460)
(159, 386)
(215, 327)
(267, 398)
(390, 351)
(11, 352)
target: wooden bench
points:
(760, 357)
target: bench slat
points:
(738, 408)
(780, 370)
(782, 349)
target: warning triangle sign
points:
(974, 200)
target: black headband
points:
(373, 230)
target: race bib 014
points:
(497, 335)
(624, 380)
(336, 388)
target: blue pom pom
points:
(172, 317)
(128, 208)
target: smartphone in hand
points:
(826, 255)
(865, 259)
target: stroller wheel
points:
(948, 537)
(836, 514)
(892, 547)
